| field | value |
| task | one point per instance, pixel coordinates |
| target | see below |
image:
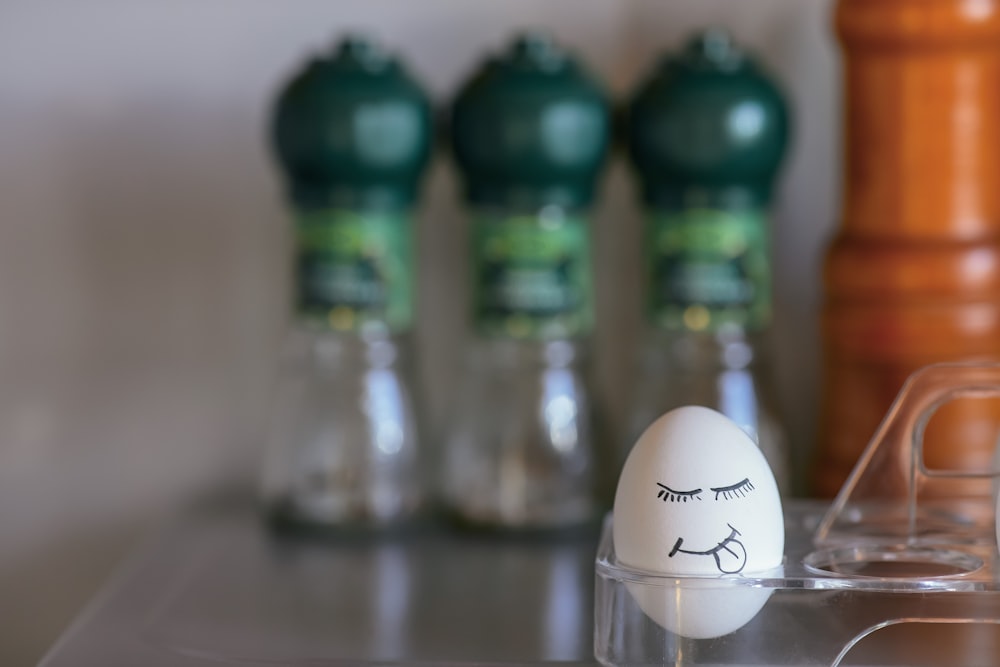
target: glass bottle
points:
(707, 133)
(530, 132)
(352, 133)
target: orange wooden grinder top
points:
(913, 274)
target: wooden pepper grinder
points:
(913, 274)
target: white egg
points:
(699, 610)
(697, 497)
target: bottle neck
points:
(488, 194)
(325, 350)
(318, 194)
(730, 349)
(680, 195)
(490, 355)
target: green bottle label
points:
(355, 270)
(532, 276)
(706, 269)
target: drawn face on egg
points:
(729, 554)
(696, 496)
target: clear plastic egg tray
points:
(902, 568)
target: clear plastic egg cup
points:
(901, 569)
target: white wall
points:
(143, 239)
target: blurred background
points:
(145, 244)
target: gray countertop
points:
(218, 587)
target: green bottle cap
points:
(708, 119)
(353, 129)
(531, 128)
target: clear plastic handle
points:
(892, 496)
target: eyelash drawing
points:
(738, 490)
(666, 493)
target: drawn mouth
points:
(730, 555)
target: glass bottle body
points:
(344, 442)
(523, 449)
